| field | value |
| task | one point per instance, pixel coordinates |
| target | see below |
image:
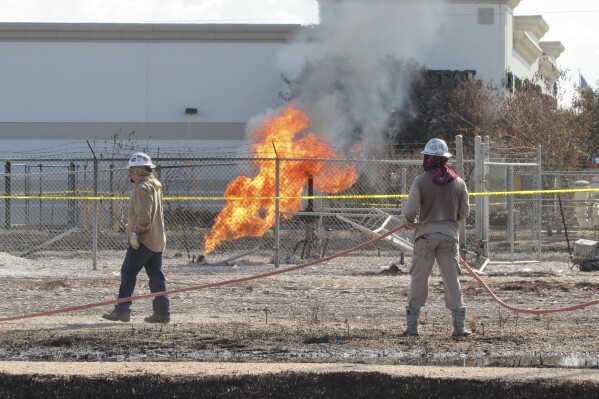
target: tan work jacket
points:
(440, 209)
(145, 214)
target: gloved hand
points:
(133, 240)
(410, 225)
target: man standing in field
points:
(147, 241)
(440, 199)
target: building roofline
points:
(154, 32)
(531, 23)
(554, 49)
(511, 3)
(527, 46)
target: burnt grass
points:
(205, 342)
(288, 385)
(349, 312)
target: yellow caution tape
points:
(314, 197)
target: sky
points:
(574, 22)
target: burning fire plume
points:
(287, 134)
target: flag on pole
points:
(583, 82)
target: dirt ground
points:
(346, 311)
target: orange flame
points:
(287, 133)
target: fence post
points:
(276, 259)
(510, 210)
(485, 200)
(41, 193)
(539, 201)
(114, 224)
(478, 187)
(71, 188)
(95, 218)
(7, 192)
(459, 155)
(85, 203)
(27, 193)
(404, 188)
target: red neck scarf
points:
(442, 173)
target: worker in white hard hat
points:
(145, 231)
(436, 204)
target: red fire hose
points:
(287, 270)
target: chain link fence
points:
(82, 205)
(509, 224)
(314, 208)
(568, 216)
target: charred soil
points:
(350, 311)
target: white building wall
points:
(521, 68)
(137, 82)
(75, 82)
(91, 81)
(464, 43)
(64, 92)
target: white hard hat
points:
(140, 159)
(436, 147)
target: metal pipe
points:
(345, 209)
(310, 206)
(331, 214)
(559, 198)
(491, 163)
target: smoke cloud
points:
(351, 72)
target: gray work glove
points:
(133, 240)
(410, 225)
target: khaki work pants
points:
(444, 249)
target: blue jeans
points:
(135, 260)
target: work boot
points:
(158, 318)
(117, 315)
(459, 318)
(412, 316)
